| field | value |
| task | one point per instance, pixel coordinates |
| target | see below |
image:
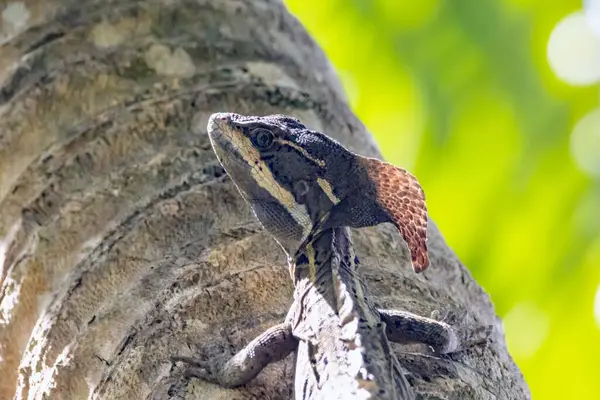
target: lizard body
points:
(343, 351)
(307, 190)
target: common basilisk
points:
(307, 190)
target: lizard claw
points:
(199, 373)
(197, 368)
(469, 337)
(476, 336)
(462, 334)
(188, 360)
(437, 315)
(449, 317)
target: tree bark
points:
(124, 240)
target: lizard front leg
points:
(406, 327)
(272, 345)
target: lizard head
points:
(300, 182)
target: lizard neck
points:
(327, 267)
(316, 268)
(328, 264)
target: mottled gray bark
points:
(125, 243)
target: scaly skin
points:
(341, 339)
(343, 351)
(307, 190)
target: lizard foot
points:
(231, 371)
(200, 369)
(464, 335)
(474, 336)
(467, 338)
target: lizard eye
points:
(263, 139)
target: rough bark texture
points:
(126, 243)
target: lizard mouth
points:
(225, 140)
(222, 140)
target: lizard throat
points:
(275, 206)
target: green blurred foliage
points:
(460, 92)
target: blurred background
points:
(494, 105)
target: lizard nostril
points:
(221, 117)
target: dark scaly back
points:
(300, 182)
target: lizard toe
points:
(477, 336)
(200, 373)
(189, 360)
(197, 368)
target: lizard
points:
(306, 189)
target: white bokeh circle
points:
(585, 143)
(592, 13)
(574, 50)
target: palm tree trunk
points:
(125, 242)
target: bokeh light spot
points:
(592, 13)
(574, 50)
(526, 327)
(585, 143)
